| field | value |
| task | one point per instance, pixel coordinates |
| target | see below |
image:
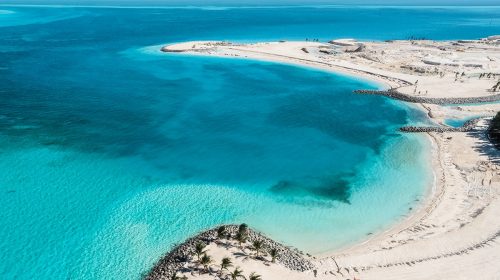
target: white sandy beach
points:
(454, 233)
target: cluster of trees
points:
(459, 75)
(416, 38)
(494, 130)
(242, 237)
(487, 75)
(205, 260)
(496, 87)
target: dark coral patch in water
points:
(333, 188)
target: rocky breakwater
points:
(395, 94)
(467, 126)
(181, 255)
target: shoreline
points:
(420, 208)
(384, 85)
(416, 213)
(431, 220)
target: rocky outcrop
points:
(181, 254)
(355, 49)
(393, 93)
(467, 126)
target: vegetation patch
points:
(494, 131)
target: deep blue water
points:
(111, 151)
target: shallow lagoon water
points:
(111, 153)
(458, 122)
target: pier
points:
(467, 126)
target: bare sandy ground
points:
(454, 233)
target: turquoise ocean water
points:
(111, 152)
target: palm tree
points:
(257, 246)
(236, 274)
(205, 261)
(176, 277)
(221, 232)
(243, 228)
(225, 263)
(254, 276)
(241, 238)
(274, 254)
(199, 249)
(338, 267)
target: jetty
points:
(395, 94)
(467, 126)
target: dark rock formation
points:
(494, 131)
(468, 125)
(393, 93)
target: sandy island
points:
(454, 233)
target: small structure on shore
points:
(167, 49)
